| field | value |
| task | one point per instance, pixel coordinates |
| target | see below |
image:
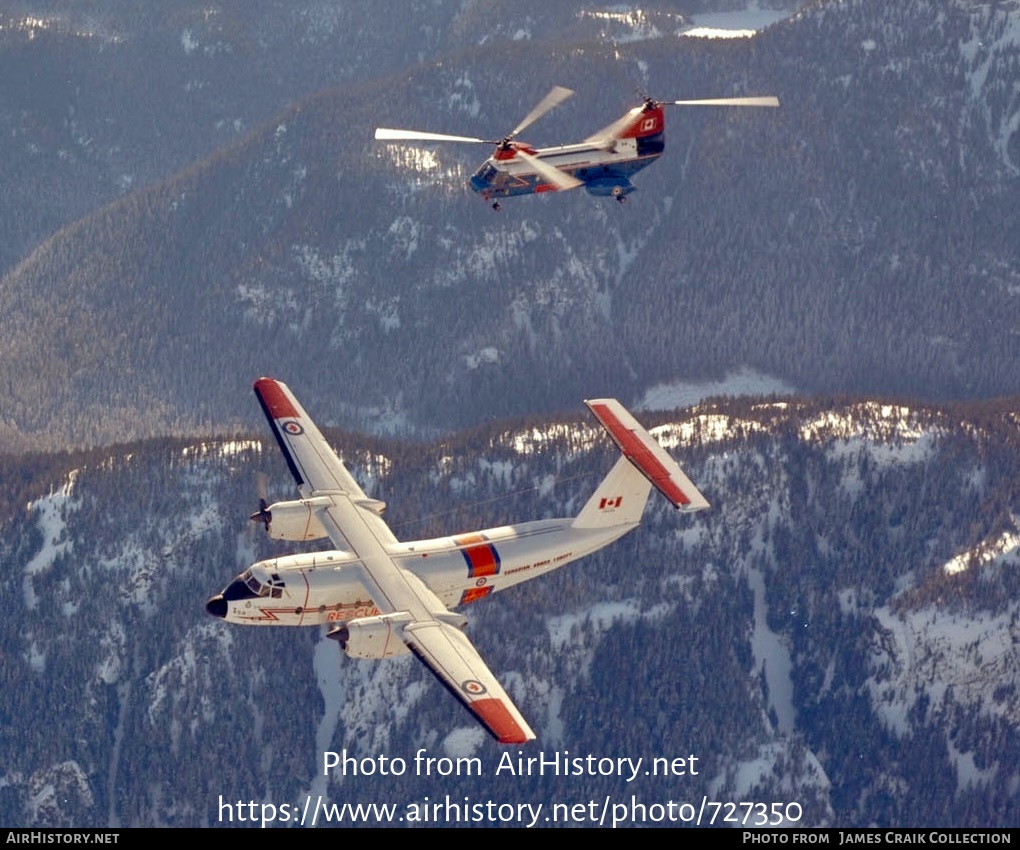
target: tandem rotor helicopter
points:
(603, 163)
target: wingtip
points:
(501, 722)
(275, 399)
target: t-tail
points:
(621, 497)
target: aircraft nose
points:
(217, 606)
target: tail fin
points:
(647, 456)
(619, 500)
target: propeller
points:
(554, 98)
(263, 514)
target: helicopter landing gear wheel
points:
(621, 199)
(496, 206)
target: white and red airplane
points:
(384, 597)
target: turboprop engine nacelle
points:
(378, 637)
(372, 637)
(296, 520)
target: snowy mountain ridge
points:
(855, 240)
(808, 616)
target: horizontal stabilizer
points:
(641, 449)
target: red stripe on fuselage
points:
(274, 399)
(635, 450)
(473, 594)
(482, 560)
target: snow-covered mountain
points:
(192, 198)
(839, 630)
(858, 239)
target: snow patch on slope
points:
(51, 789)
(688, 393)
(564, 629)
(986, 58)
(365, 698)
(742, 23)
(51, 512)
(704, 428)
(895, 425)
(196, 668)
(1005, 546)
(772, 657)
(936, 652)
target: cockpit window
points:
(487, 172)
(242, 587)
(253, 584)
(253, 587)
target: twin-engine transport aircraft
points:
(384, 598)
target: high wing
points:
(313, 463)
(352, 521)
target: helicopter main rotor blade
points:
(559, 179)
(607, 135)
(414, 135)
(556, 96)
(768, 100)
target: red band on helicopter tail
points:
(648, 122)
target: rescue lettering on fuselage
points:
(353, 613)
